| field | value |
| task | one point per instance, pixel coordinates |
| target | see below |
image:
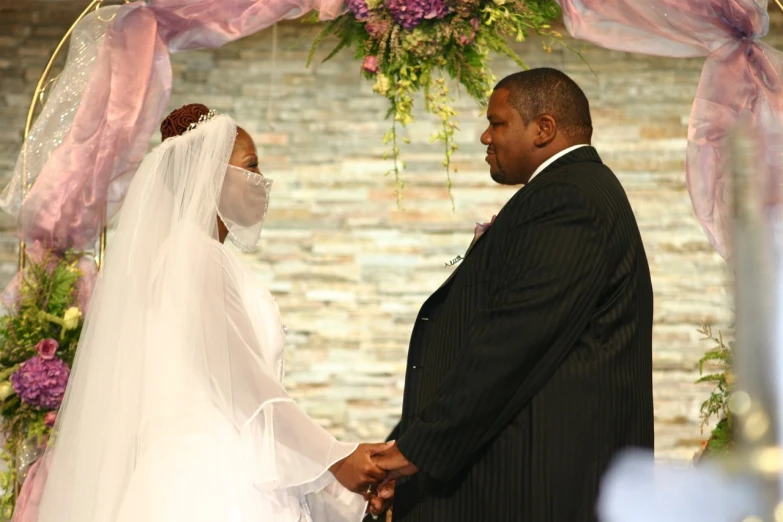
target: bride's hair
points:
(180, 120)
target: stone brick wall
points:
(348, 267)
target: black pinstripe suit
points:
(532, 366)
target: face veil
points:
(243, 204)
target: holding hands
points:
(372, 471)
(357, 472)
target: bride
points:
(175, 410)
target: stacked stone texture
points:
(349, 269)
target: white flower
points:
(6, 390)
(71, 318)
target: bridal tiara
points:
(203, 119)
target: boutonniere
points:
(480, 229)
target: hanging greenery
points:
(408, 46)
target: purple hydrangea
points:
(358, 8)
(40, 382)
(410, 13)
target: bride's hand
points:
(357, 472)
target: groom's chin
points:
(497, 176)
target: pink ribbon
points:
(127, 93)
(742, 77)
(29, 499)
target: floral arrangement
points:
(406, 46)
(716, 406)
(38, 339)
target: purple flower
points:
(358, 8)
(410, 13)
(47, 348)
(371, 64)
(41, 382)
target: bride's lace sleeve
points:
(241, 377)
(287, 449)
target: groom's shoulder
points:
(594, 180)
(553, 189)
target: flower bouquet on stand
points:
(38, 339)
(407, 46)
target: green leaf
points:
(10, 406)
(339, 47)
(318, 40)
(713, 377)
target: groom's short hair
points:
(544, 90)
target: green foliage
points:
(716, 406)
(420, 59)
(47, 290)
(721, 440)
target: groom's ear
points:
(547, 130)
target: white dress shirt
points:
(555, 158)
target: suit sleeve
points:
(395, 432)
(556, 272)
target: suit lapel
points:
(579, 155)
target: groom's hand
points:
(395, 463)
(382, 500)
(357, 472)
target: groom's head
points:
(533, 115)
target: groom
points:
(531, 367)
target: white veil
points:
(167, 340)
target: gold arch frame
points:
(40, 89)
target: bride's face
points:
(244, 155)
(246, 197)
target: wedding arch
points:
(98, 117)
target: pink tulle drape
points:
(87, 175)
(127, 93)
(30, 496)
(742, 76)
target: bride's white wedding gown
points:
(197, 466)
(175, 410)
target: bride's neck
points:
(222, 231)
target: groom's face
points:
(509, 141)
